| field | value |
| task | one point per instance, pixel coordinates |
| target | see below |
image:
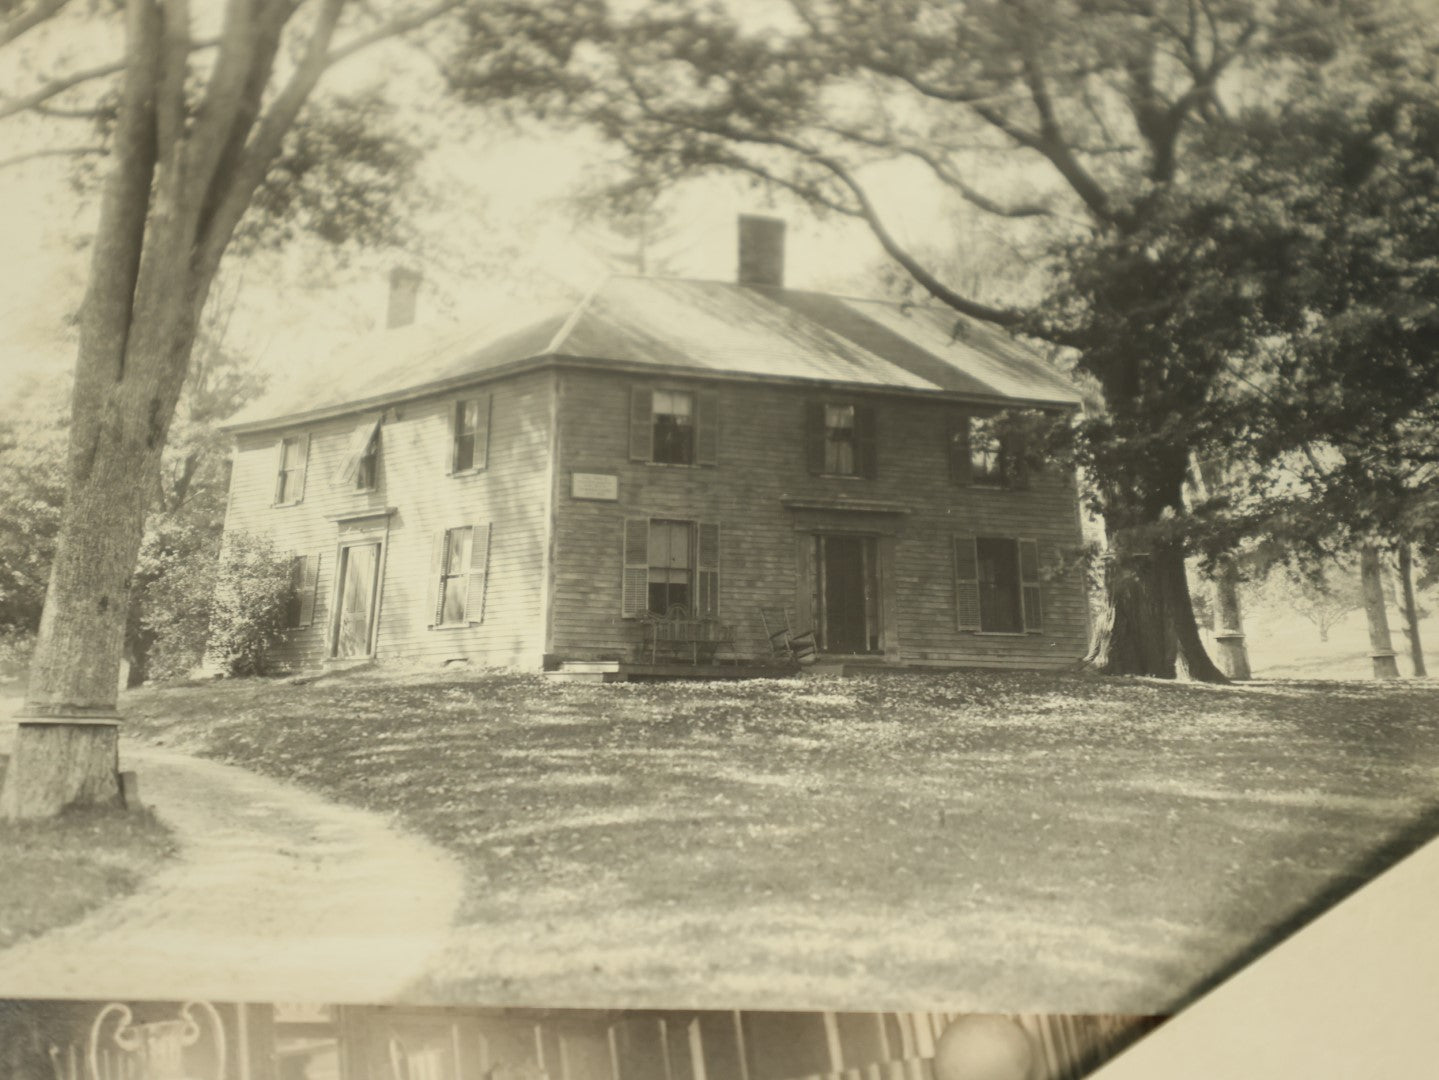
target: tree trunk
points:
(1381, 647)
(1410, 609)
(1148, 626)
(1233, 653)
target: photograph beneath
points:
(198, 1040)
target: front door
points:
(359, 566)
(846, 593)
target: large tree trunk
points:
(1410, 608)
(1229, 634)
(1148, 626)
(1381, 646)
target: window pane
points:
(674, 427)
(999, 593)
(464, 452)
(839, 439)
(470, 421)
(457, 551)
(456, 590)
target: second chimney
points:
(761, 251)
(404, 294)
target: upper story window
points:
(841, 439)
(359, 468)
(988, 461)
(998, 450)
(368, 471)
(674, 427)
(470, 424)
(290, 478)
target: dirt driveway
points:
(276, 894)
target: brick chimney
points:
(761, 251)
(404, 293)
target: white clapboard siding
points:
(510, 496)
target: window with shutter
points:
(987, 457)
(671, 566)
(358, 464)
(290, 480)
(471, 435)
(455, 576)
(673, 414)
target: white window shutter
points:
(482, 433)
(479, 573)
(1029, 582)
(635, 599)
(435, 594)
(966, 584)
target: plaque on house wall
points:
(605, 486)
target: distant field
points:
(1285, 646)
(951, 839)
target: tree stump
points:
(57, 763)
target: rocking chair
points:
(785, 642)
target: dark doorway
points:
(846, 593)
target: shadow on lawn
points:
(1409, 840)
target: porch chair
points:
(785, 642)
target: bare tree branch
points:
(64, 151)
(68, 82)
(28, 20)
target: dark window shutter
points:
(635, 599)
(866, 442)
(456, 413)
(309, 586)
(435, 594)
(814, 435)
(1029, 581)
(707, 428)
(966, 584)
(642, 424)
(709, 569)
(961, 464)
(479, 573)
(482, 433)
(278, 497)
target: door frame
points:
(342, 551)
(886, 605)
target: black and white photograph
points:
(750, 539)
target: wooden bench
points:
(678, 635)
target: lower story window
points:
(671, 565)
(997, 584)
(668, 565)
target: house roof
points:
(700, 328)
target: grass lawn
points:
(962, 840)
(55, 872)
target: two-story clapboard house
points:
(524, 491)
